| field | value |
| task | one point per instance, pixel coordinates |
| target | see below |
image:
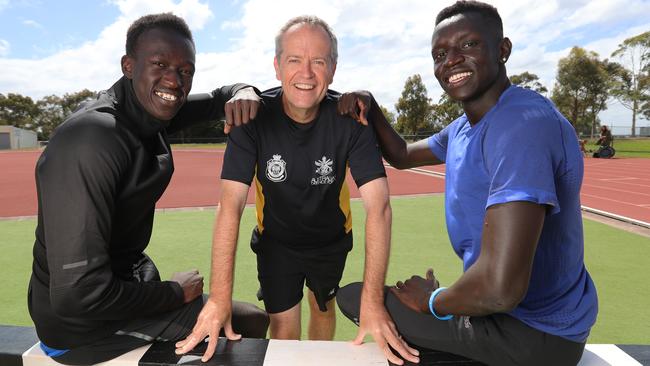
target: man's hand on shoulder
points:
(241, 108)
(191, 282)
(355, 105)
(211, 320)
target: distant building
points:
(16, 138)
(644, 131)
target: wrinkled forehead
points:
(312, 31)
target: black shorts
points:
(283, 270)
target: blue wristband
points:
(432, 299)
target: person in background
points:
(605, 139)
(604, 143)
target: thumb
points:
(430, 274)
(226, 128)
(230, 334)
(363, 112)
(359, 338)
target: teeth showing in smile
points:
(458, 77)
(304, 86)
(166, 96)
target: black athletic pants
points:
(497, 339)
(247, 320)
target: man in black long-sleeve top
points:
(94, 294)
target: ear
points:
(333, 72)
(276, 65)
(127, 66)
(505, 47)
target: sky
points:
(58, 47)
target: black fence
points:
(640, 131)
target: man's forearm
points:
(378, 233)
(499, 279)
(376, 260)
(396, 151)
(470, 295)
(224, 243)
(393, 146)
(204, 107)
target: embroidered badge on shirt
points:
(276, 169)
(323, 169)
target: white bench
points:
(320, 353)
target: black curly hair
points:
(151, 21)
(487, 11)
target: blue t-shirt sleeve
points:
(522, 150)
(438, 143)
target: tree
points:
(413, 108)
(597, 100)
(50, 117)
(446, 111)
(631, 86)
(528, 81)
(54, 110)
(17, 110)
(203, 132)
(72, 102)
(581, 88)
(645, 83)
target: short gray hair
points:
(313, 21)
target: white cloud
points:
(195, 12)
(606, 11)
(94, 65)
(4, 48)
(605, 46)
(3, 4)
(32, 23)
(617, 114)
(381, 43)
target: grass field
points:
(628, 147)
(199, 146)
(617, 261)
(625, 147)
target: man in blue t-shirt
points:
(512, 200)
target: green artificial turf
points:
(617, 261)
(625, 147)
(628, 147)
(218, 146)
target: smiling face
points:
(468, 57)
(305, 69)
(162, 70)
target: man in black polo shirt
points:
(296, 154)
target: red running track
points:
(618, 186)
